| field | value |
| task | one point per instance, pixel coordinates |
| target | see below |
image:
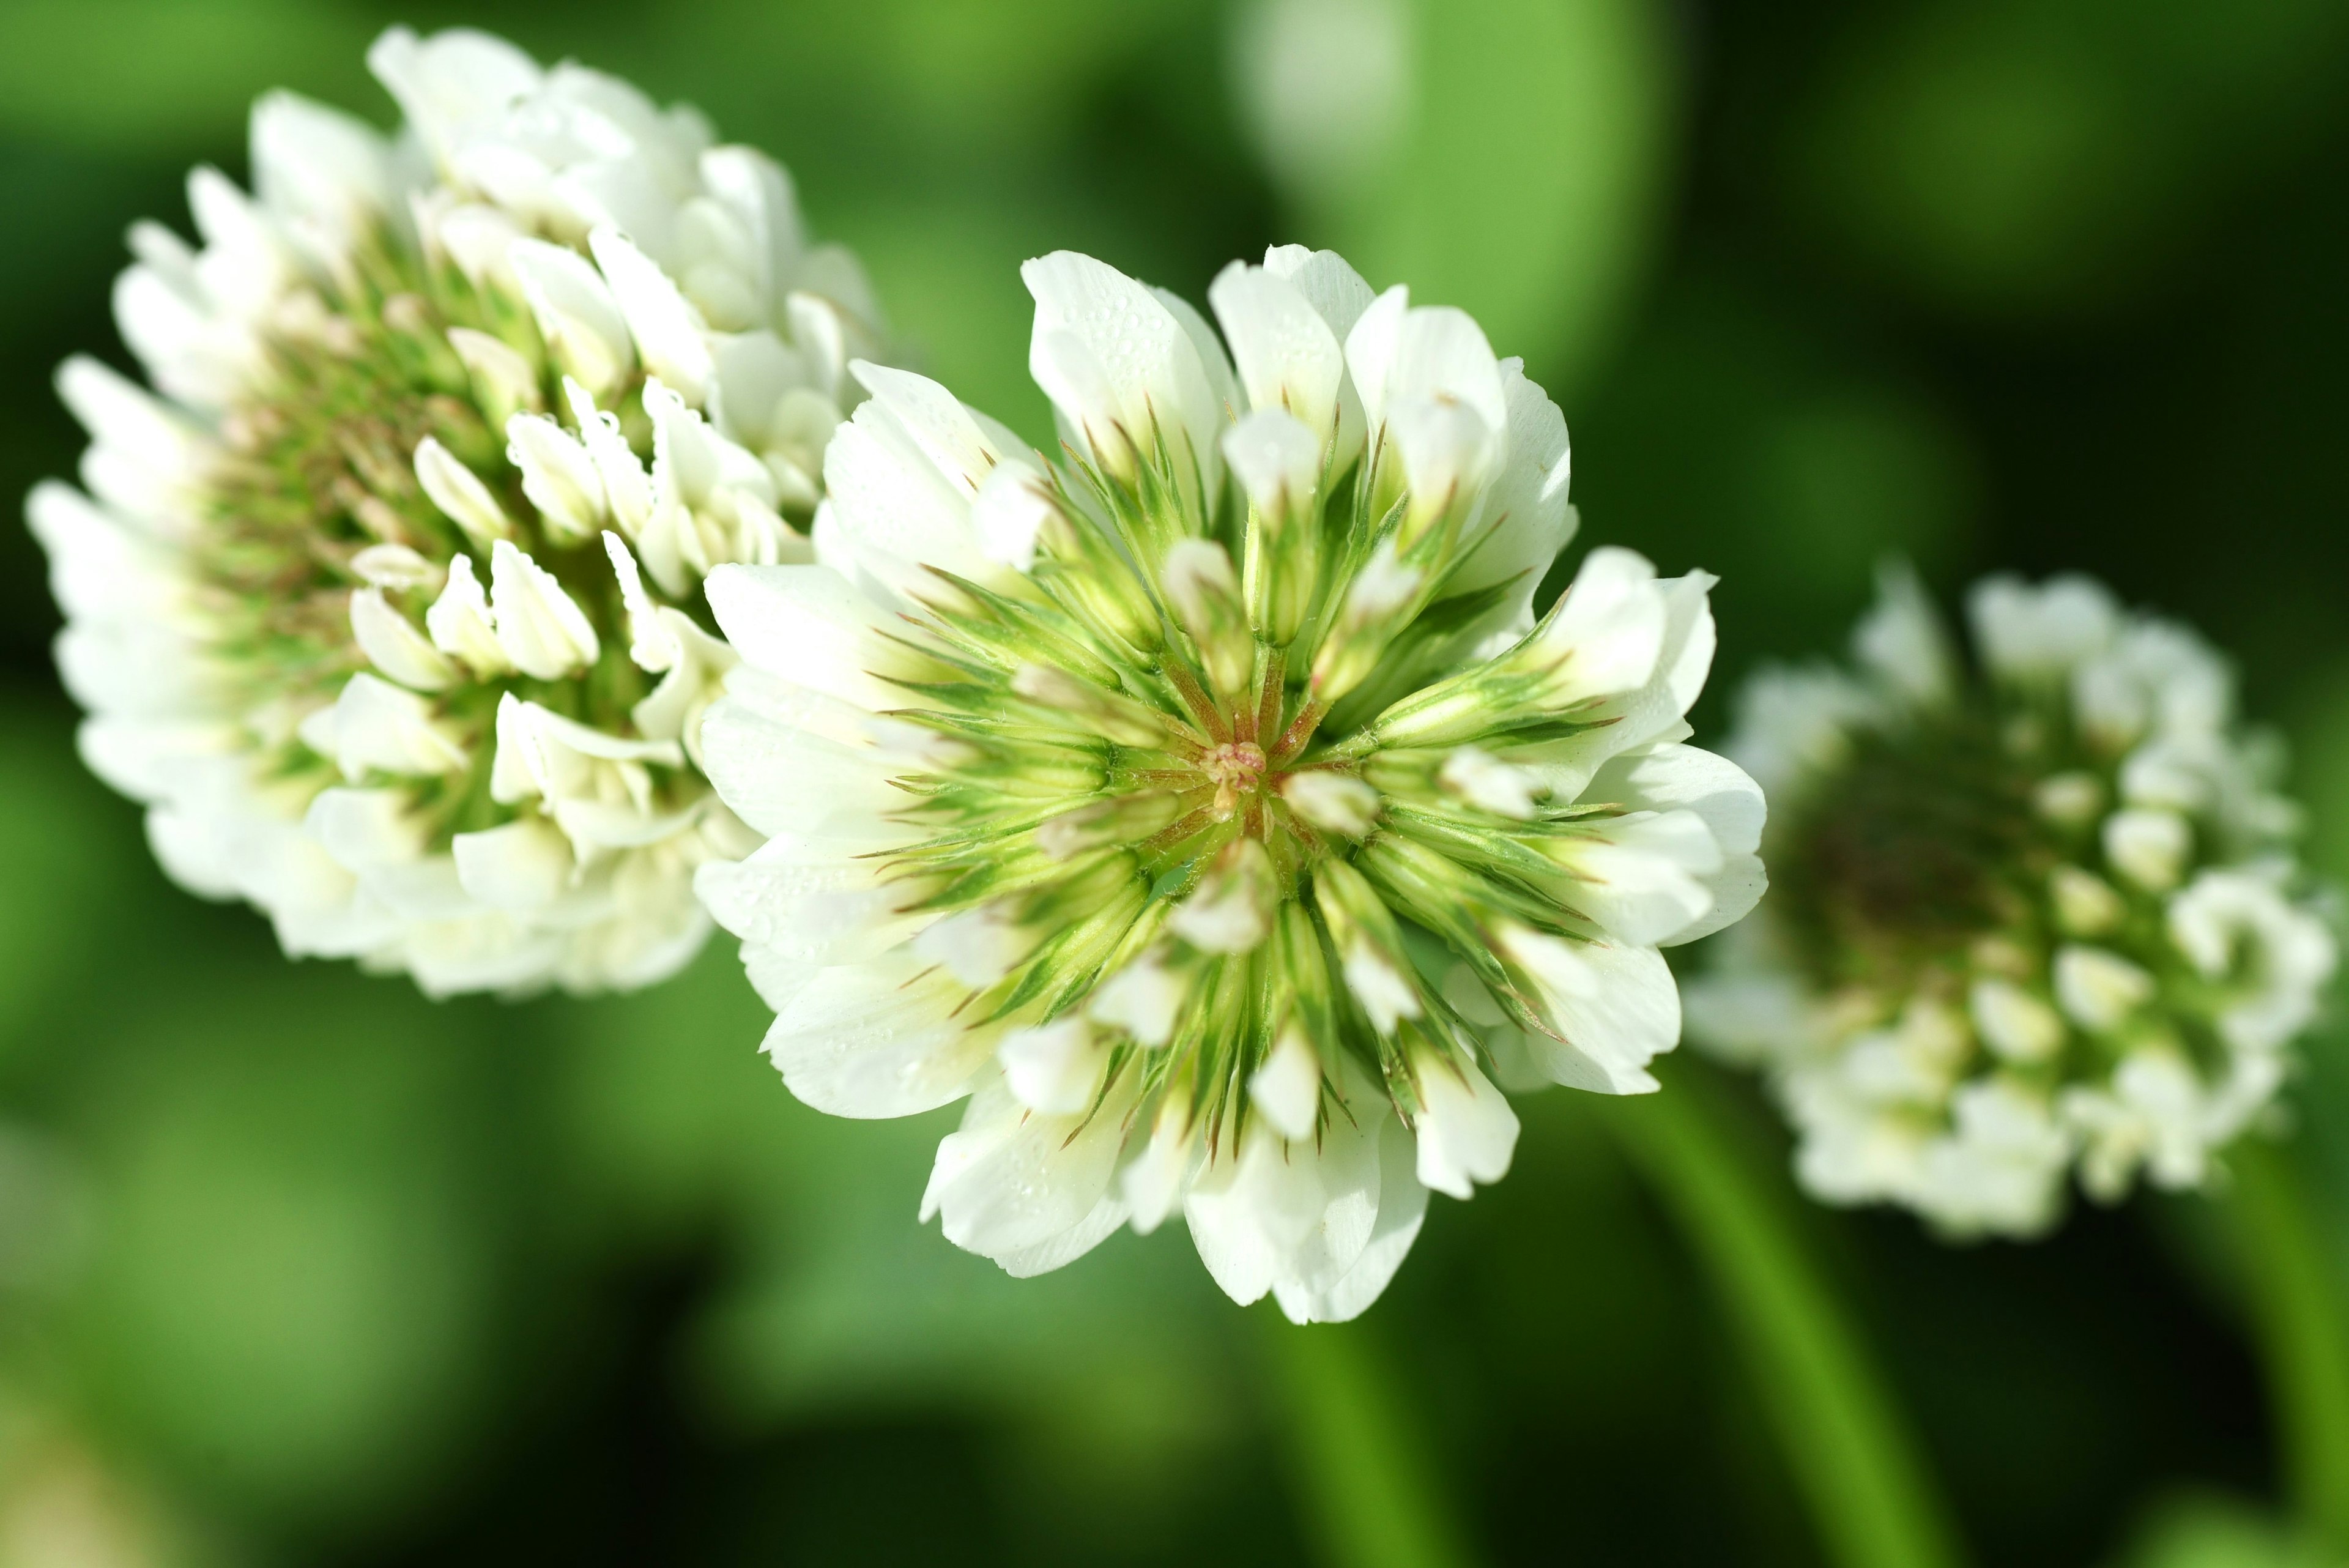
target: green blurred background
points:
(297, 1268)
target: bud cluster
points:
(389, 603)
(2039, 919)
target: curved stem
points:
(2294, 1295)
(1852, 1456)
(1371, 1496)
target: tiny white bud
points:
(2098, 989)
(654, 645)
(1198, 578)
(1467, 1133)
(1142, 999)
(460, 494)
(502, 377)
(1332, 802)
(461, 624)
(2148, 847)
(1054, 1069)
(2086, 904)
(557, 475)
(977, 947)
(1276, 458)
(2013, 1022)
(1287, 1087)
(395, 647)
(1484, 780)
(1231, 911)
(2069, 800)
(1383, 990)
(538, 627)
(396, 567)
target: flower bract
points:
(2033, 916)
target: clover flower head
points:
(2034, 918)
(385, 597)
(1209, 806)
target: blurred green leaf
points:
(68, 855)
(289, 1291)
(1529, 172)
(162, 73)
(2047, 155)
(1743, 440)
(2205, 1531)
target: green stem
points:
(1842, 1435)
(1373, 1497)
(2296, 1301)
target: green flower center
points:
(321, 466)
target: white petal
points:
(366, 828)
(627, 488)
(1613, 1008)
(1053, 1069)
(558, 474)
(1276, 458)
(1287, 356)
(877, 1040)
(1466, 1131)
(461, 624)
(808, 625)
(1287, 1088)
(2029, 633)
(1009, 1182)
(376, 725)
(1610, 627)
(315, 165)
(2013, 1022)
(394, 646)
(1335, 290)
(460, 494)
(1146, 369)
(1401, 1208)
(669, 333)
(582, 322)
(1902, 641)
(538, 627)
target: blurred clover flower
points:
(387, 605)
(2040, 917)
(1209, 807)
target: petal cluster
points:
(1209, 808)
(2032, 919)
(385, 596)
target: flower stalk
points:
(2300, 1318)
(1370, 1496)
(1850, 1452)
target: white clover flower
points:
(2040, 919)
(386, 600)
(1210, 808)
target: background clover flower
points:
(385, 599)
(1209, 808)
(2033, 918)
